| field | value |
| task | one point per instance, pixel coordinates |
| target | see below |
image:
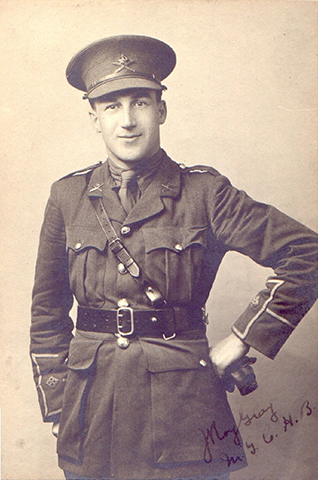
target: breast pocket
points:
(87, 264)
(185, 395)
(174, 259)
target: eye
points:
(111, 106)
(140, 103)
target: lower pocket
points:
(82, 367)
(191, 417)
(181, 405)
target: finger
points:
(219, 370)
(55, 429)
(251, 360)
(228, 383)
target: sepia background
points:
(243, 98)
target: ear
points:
(95, 121)
(162, 112)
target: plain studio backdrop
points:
(243, 98)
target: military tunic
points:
(155, 409)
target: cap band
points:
(115, 76)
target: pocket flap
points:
(164, 356)
(80, 237)
(82, 352)
(174, 238)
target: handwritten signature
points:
(288, 422)
(247, 420)
(213, 433)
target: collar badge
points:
(97, 187)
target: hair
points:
(158, 97)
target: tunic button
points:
(78, 246)
(179, 247)
(203, 363)
(122, 342)
(122, 269)
(123, 302)
(125, 231)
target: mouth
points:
(129, 137)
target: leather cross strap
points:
(124, 257)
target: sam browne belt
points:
(127, 321)
(162, 319)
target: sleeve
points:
(272, 239)
(51, 327)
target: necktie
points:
(125, 193)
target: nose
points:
(128, 119)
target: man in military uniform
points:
(137, 241)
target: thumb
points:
(55, 429)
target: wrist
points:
(237, 340)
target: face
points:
(129, 122)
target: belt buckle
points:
(119, 314)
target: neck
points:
(130, 165)
(133, 164)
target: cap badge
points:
(124, 63)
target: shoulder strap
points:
(199, 169)
(83, 171)
(124, 257)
